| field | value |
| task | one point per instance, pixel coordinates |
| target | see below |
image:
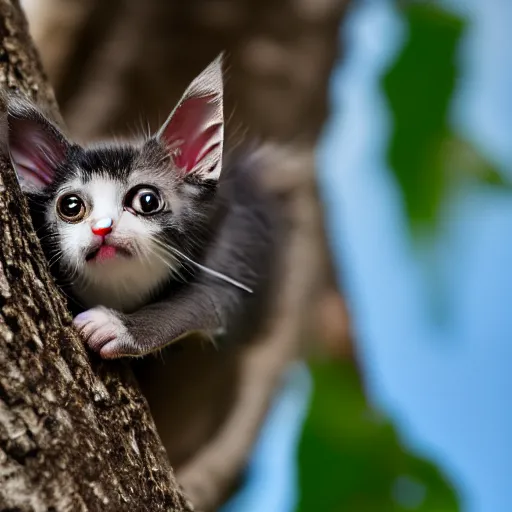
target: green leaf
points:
(350, 457)
(419, 88)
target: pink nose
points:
(102, 227)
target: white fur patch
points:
(123, 283)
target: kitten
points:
(153, 239)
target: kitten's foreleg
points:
(113, 334)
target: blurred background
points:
(390, 361)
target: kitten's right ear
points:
(194, 132)
(35, 144)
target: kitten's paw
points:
(105, 332)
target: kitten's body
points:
(231, 228)
(151, 240)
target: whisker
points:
(175, 269)
(55, 258)
(210, 271)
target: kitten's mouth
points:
(106, 253)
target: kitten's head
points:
(113, 213)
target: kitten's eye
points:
(71, 208)
(144, 201)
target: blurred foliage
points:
(425, 156)
(351, 459)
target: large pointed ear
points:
(194, 132)
(36, 146)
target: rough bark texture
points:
(72, 437)
(120, 65)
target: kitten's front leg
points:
(151, 328)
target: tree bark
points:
(74, 435)
(122, 62)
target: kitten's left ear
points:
(36, 146)
(194, 132)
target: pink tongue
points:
(106, 252)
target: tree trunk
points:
(74, 434)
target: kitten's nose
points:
(102, 227)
